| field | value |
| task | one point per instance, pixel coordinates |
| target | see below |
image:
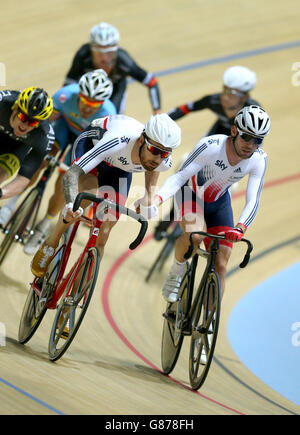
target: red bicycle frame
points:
(61, 281)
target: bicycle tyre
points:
(203, 322)
(172, 336)
(18, 221)
(90, 266)
(30, 318)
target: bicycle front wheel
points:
(40, 292)
(172, 336)
(74, 304)
(205, 327)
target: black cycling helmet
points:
(36, 103)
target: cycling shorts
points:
(218, 215)
(113, 183)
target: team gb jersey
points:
(112, 139)
(207, 167)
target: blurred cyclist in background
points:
(238, 81)
(103, 51)
(75, 107)
(26, 137)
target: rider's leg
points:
(42, 229)
(222, 259)
(190, 222)
(42, 258)
(189, 212)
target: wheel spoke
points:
(81, 284)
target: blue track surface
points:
(264, 331)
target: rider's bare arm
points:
(16, 186)
(70, 183)
(151, 178)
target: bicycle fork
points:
(64, 281)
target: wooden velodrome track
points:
(113, 365)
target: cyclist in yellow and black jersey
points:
(26, 136)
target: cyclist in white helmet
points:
(202, 199)
(105, 156)
(75, 107)
(238, 82)
(103, 51)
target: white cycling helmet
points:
(104, 34)
(162, 129)
(240, 78)
(96, 84)
(253, 120)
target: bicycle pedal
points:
(186, 330)
(171, 317)
(69, 301)
(201, 329)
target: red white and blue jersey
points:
(111, 139)
(207, 170)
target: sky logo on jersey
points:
(221, 165)
(125, 139)
(123, 160)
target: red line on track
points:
(105, 303)
(119, 262)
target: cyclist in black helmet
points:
(26, 136)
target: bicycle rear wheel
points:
(204, 331)
(32, 315)
(172, 336)
(40, 292)
(74, 304)
(17, 225)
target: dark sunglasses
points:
(230, 91)
(25, 118)
(247, 138)
(156, 151)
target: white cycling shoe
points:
(34, 242)
(5, 214)
(171, 287)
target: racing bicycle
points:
(70, 293)
(196, 313)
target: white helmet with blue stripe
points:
(104, 34)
